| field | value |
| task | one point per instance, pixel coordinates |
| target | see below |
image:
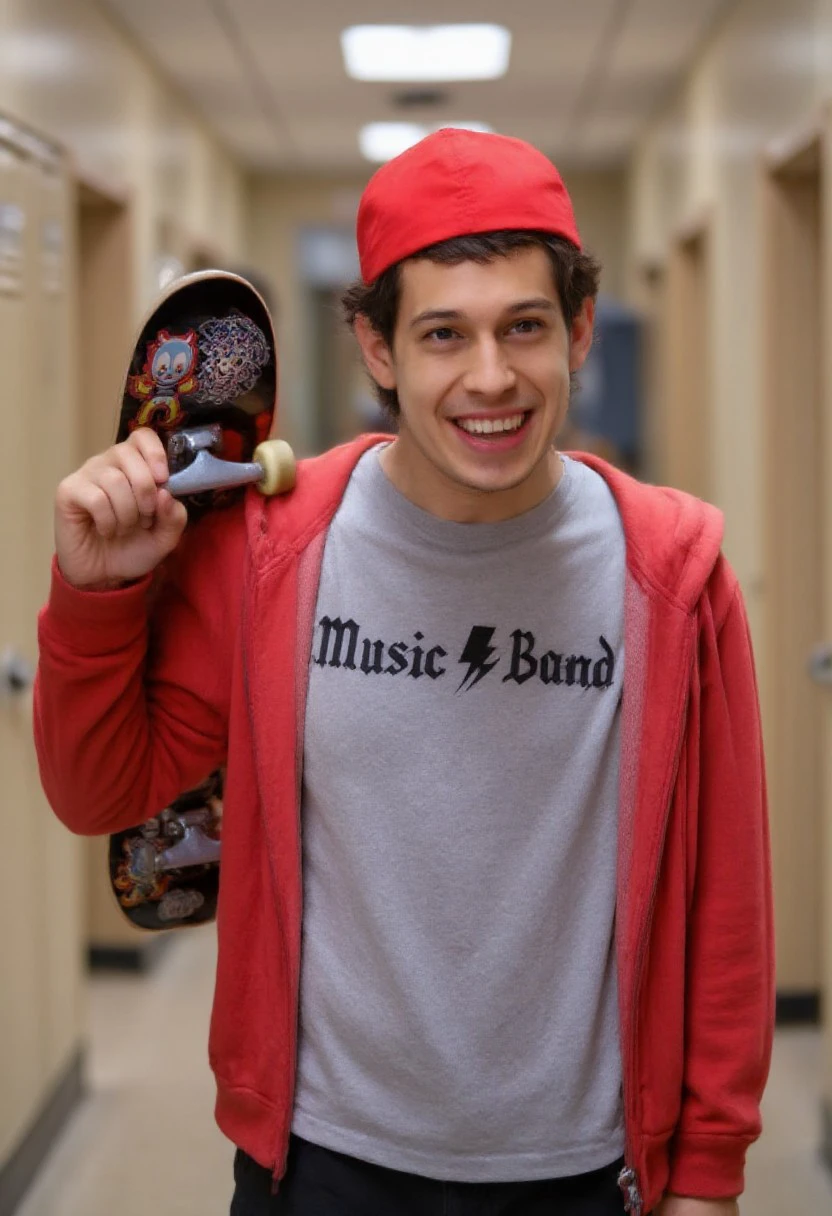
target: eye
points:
(180, 364)
(163, 363)
(528, 325)
(443, 334)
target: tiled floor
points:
(145, 1142)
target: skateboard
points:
(203, 375)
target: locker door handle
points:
(16, 672)
(820, 664)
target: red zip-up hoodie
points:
(141, 692)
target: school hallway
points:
(145, 1140)
(148, 146)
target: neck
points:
(429, 488)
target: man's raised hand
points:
(113, 520)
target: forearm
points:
(92, 652)
(119, 734)
(729, 955)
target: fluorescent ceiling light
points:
(426, 52)
(381, 141)
(37, 56)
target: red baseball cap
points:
(458, 183)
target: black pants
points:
(319, 1182)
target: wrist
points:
(105, 584)
(112, 584)
(681, 1205)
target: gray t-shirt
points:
(458, 1010)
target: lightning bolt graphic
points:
(478, 648)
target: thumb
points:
(171, 515)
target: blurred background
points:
(141, 139)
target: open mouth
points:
(498, 427)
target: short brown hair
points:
(577, 276)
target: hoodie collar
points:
(673, 539)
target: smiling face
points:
(481, 360)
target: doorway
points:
(793, 480)
(104, 320)
(651, 301)
(344, 401)
(682, 427)
(105, 299)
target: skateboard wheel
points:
(277, 460)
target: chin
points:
(493, 481)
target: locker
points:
(39, 862)
(51, 455)
(20, 1005)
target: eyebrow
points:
(453, 314)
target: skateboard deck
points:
(203, 375)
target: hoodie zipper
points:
(282, 1146)
(281, 1152)
(281, 1149)
(301, 674)
(628, 1179)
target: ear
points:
(580, 335)
(377, 355)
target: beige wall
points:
(280, 208)
(601, 202)
(762, 80)
(761, 87)
(76, 80)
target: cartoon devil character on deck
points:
(167, 376)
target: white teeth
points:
(488, 426)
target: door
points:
(793, 479)
(684, 424)
(104, 342)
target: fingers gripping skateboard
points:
(203, 375)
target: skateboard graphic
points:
(203, 375)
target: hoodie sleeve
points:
(133, 686)
(730, 951)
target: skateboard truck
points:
(173, 843)
(272, 470)
(191, 846)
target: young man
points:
(510, 695)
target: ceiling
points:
(267, 75)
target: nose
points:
(489, 374)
